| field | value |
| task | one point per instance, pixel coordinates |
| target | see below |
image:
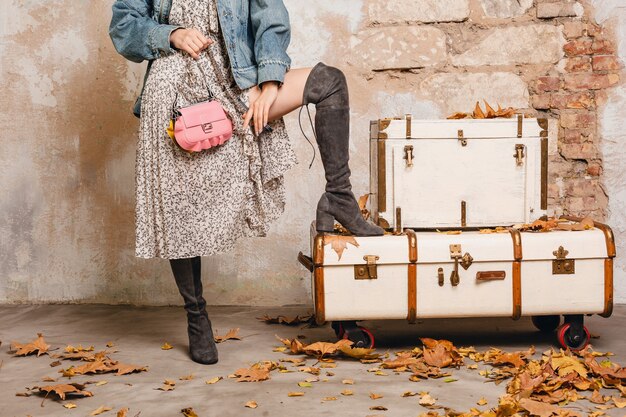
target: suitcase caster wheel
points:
(361, 337)
(574, 342)
(338, 328)
(546, 324)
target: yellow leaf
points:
(619, 402)
(233, 334)
(482, 401)
(167, 346)
(69, 405)
(295, 394)
(188, 412)
(100, 410)
(375, 396)
(110, 344)
(340, 243)
(347, 392)
(426, 400)
(568, 364)
(100, 383)
(186, 377)
(213, 380)
(329, 399)
(252, 404)
(305, 384)
(348, 382)
(122, 412)
(409, 394)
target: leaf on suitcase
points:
(38, 345)
(363, 206)
(491, 113)
(233, 334)
(359, 353)
(320, 349)
(585, 224)
(478, 112)
(458, 116)
(340, 243)
(505, 113)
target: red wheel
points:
(361, 337)
(571, 341)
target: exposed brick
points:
(573, 29)
(580, 187)
(578, 151)
(580, 120)
(606, 63)
(541, 101)
(582, 100)
(603, 47)
(576, 204)
(594, 30)
(578, 47)
(558, 9)
(574, 136)
(548, 84)
(578, 64)
(594, 169)
(590, 81)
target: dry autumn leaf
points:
(295, 394)
(38, 345)
(186, 377)
(320, 349)
(100, 410)
(374, 396)
(233, 334)
(340, 243)
(379, 408)
(359, 353)
(251, 404)
(288, 321)
(348, 382)
(188, 412)
(538, 408)
(427, 400)
(347, 392)
(167, 346)
(213, 380)
(258, 372)
(478, 112)
(69, 405)
(66, 389)
(122, 412)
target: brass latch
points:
(519, 154)
(562, 266)
(464, 260)
(408, 155)
(440, 277)
(461, 137)
(455, 253)
(367, 271)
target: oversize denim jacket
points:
(256, 33)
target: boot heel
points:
(324, 222)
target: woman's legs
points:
(187, 273)
(326, 87)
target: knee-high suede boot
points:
(187, 274)
(326, 87)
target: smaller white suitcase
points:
(458, 173)
(430, 274)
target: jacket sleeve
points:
(134, 33)
(272, 33)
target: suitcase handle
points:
(306, 261)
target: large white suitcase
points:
(430, 274)
(458, 173)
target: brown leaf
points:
(233, 334)
(491, 113)
(167, 346)
(478, 112)
(213, 380)
(256, 373)
(400, 362)
(359, 353)
(122, 412)
(340, 243)
(509, 358)
(251, 404)
(63, 389)
(123, 368)
(441, 353)
(457, 116)
(188, 412)
(538, 408)
(295, 394)
(427, 400)
(379, 408)
(100, 410)
(347, 392)
(375, 396)
(287, 321)
(320, 349)
(38, 345)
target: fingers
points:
(191, 41)
(247, 117)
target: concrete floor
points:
(139, 332)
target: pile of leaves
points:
(489, 113)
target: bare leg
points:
(289, 94)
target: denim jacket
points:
(256, 33)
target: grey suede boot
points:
(326, 87)
(187, 274)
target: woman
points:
(192, 205)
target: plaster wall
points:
(68, 141)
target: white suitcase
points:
(458, 173)
(429, 274)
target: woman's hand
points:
(260, 107)
(191, 41)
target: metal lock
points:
(440, 276)
(455, 253)
(461, 137)
(408, 155)
(369, 270)
(519, 154)
(561, 265)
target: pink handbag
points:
(202, 126)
